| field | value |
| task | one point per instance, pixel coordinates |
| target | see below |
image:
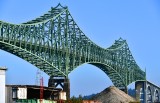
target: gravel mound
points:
(113, 95)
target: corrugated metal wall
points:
(8, 95)
(34, 101)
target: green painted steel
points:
(55, 44)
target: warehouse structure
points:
(26, 93)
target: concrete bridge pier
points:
(63, 82)
(124, 89)
(147, 92)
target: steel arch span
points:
(55, 44)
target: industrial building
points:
(31, 94)
(28, 93)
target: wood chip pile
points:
(113, 95)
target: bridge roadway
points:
(147, 92)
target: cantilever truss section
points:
(55, 44)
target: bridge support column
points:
(125, 89)
(63, 82)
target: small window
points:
(14, 93)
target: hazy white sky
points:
(137, 21)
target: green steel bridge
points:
(55, 44)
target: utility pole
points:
(41, 90)
(38, 77)
(39, 82)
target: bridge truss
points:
(55, 44)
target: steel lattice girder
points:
(55, 44)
